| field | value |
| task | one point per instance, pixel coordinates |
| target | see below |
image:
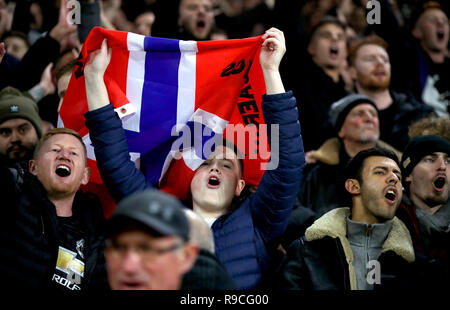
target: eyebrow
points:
(387, 169)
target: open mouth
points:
(439, 183)
(213, 182)
(391, 195)
(62, 171)
(334, 50)
(440, 35)
(131, 285)
(201, 24)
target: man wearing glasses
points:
(148, 246)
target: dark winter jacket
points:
(316, 92)
(29, 238)
(244, 235)
(434, 259)
(323, 259)
(396, 119)
(208, 273)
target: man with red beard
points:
(20, 127)
(370, 68)
(364, 247)
(425, 208)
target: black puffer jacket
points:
(29, 239)
(323, 259)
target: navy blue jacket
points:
(244, 235)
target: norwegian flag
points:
(163, 89)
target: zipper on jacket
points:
(42, 223)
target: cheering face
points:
(380, 190)
(18, 138)
(372, 68)
(60, 165)
(197, 18)
(432, 29)
(328, 46)
(136, 260)
(429, 180)
(217, 181)
(361, 125)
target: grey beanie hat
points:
(16, 104)
(339, 109)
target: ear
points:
(352, 186)
(352, 73)
(239, 187)
(408, 179)
(417, 33)
(32, 167)
(86, 176)
(311, 49)
(189, 256)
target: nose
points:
(14, 136)
(393, 178)
(130, 262)
(214, 166)
(442, 163)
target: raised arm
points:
(106, 132)
(94, 70)
(272, 51)
(275, 197)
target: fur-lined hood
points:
(333, 224)
(328, 153)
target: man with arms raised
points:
(245, 233)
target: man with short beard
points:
(20, 127)
(425, 208)
(360, 247)
(370, 68)
(355, 122)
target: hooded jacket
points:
(323, 258)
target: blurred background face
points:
(372, 68)
(429, 180)
(143, 23)
(328, 46)
(432, 29)
(196, 17)
(133, 264)
(16, 47)
(18, 138)
(361, 125)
